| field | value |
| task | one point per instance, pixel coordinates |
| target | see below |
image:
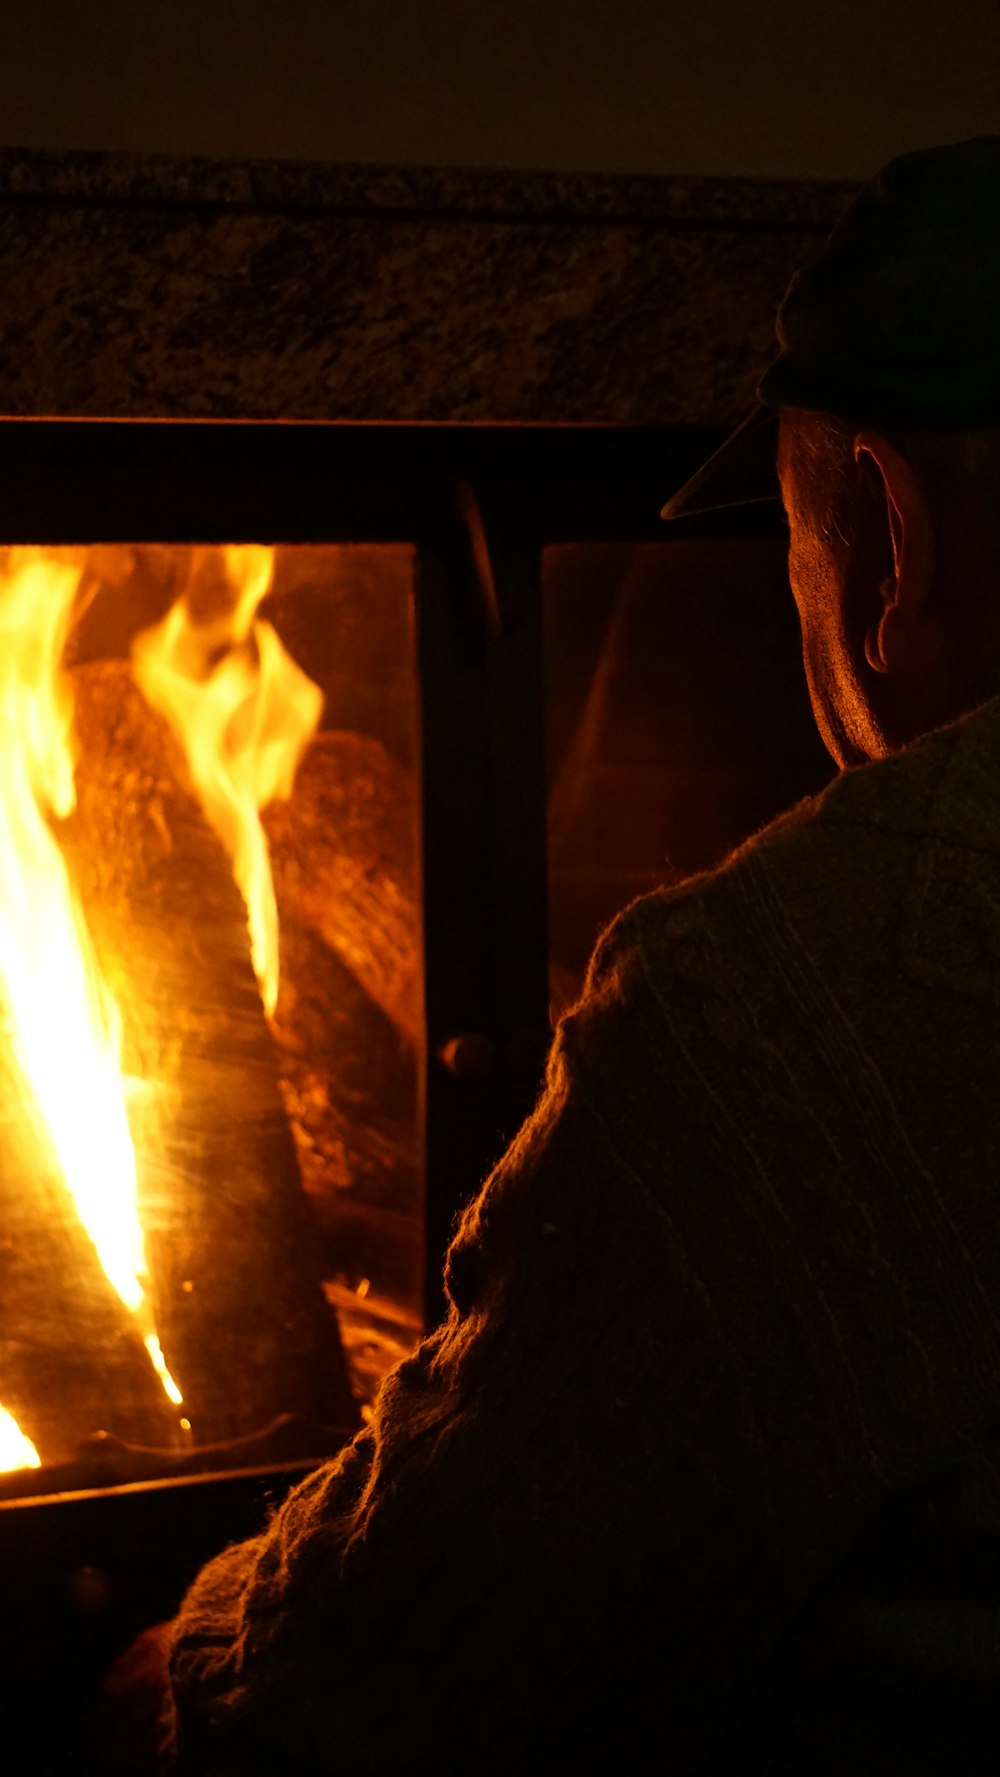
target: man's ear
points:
(894, 641)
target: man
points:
(702, 1471)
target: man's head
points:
(894, 561)
(887, 383)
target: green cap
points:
(896, 320)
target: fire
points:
(16, 1451)
(63, 1022)
(244, 713)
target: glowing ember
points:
(63, 1023)
(16, 1451)
(244, 713)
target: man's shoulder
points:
(905, 798)
(845, 963)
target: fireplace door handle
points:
(469, 1056)
(474, 1056)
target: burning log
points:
(237, 1292)
(345, 864)
(347, 1024)
(348, 1077)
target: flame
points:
(16, 1451)
(244, 713)
(64, 1024)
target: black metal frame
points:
(129, 481)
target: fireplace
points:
(271, 419)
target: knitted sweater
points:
(702, 1471)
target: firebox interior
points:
(278, 1148)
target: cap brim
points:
(742, 472)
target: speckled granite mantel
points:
(154, 288)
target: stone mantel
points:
(147, 287)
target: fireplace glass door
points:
(211, 981)
(677, 720)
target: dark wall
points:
(799, 87)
